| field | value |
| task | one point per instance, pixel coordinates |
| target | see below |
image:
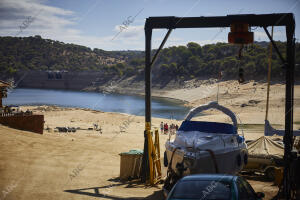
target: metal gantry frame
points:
(263, 20)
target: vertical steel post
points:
(148, 81)
(145, 162)
(288, 136)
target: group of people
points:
(165, 128)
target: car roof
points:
(210, 177)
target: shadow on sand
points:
(107, 191)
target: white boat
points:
(207, 147)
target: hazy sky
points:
(96, 23)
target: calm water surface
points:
(161, 107)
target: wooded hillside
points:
(182, 62)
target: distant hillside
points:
(35, 53)
(174, 63)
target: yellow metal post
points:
(157, 156)
(154, 157)
(150, 144)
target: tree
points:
(194, 62)
(193, 47)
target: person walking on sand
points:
(161, 127)
(166, 128)
(171, 129)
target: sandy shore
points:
(248, 100)
(42, 166)
(37, 166)
(34, 166)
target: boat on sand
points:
(206, 147)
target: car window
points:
(245, 193)
(203, 190)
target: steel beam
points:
(172, 22)
(160, 47)
(275, 46)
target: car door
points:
(245, 191)
(250, 190)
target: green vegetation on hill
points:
(35, 53)
(194, 60)
(180, 63)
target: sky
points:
(119, 24)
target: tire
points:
(239, 160)
(246, 159)
(270, 173)
(165, 159)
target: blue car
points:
(213, 186)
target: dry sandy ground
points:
(85, 164)
(81, 165)
(248, 100)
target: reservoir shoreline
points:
(108, 102)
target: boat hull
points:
(230, 162)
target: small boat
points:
(270, 131)
(206, 147)
(265, 156)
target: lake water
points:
(161, 107)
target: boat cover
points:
(208, 127)
(266, 148)
(212, 105)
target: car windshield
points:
(201, 189)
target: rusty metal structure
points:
(263, 20)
